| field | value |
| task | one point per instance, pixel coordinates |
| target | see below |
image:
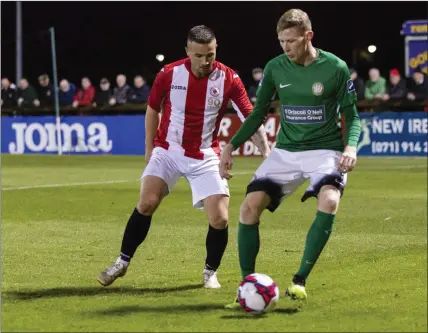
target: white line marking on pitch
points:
(65, 185)
(128, 181)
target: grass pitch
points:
(63, 220)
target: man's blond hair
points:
(294, 18)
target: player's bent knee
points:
(329, 205)
(246, 214)
(265, 190)
(153, 190)
(219, 222)
(216, 208)
(328, 200)
(148, 204)
(153, 185)
(252, 207)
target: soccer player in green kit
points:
(314, 88)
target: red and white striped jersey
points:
(192, 108)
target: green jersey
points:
(312, 98)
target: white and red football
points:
(258, 293)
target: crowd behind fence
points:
(375, 94)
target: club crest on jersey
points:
(350, 85)
(317, 88)
(214, 91)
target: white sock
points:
(119, 260)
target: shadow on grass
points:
(91, 291)
(243, 315)
(170, 309)
(237, 314)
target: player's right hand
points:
(226, 162)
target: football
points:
(258, 293)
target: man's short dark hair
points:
(294, 18)
(201, 34)
(43, 77)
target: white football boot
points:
(210, 279)
(117, 270)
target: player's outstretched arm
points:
(261, 141)
(251, 124)
(260, 137)
(258, 115)
(247, 129)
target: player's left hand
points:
(226, 162)
(348, 159)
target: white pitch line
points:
(64, 185)
(83, 183)
(238, 173)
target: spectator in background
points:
(358, 84)
(85, 95)
(27, 95)
(120, 92)
(375, 86)
(417, 86)
(396, 87)
(139, 93)
(66, 93)
(252, 89)
(45, 90)
(9, 95)
(103, 93)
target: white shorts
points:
(289, 170)
(202, 175)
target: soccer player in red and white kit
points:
(193, 95)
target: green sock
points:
(317, 237)
(248, 247)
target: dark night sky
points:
(105, 38)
